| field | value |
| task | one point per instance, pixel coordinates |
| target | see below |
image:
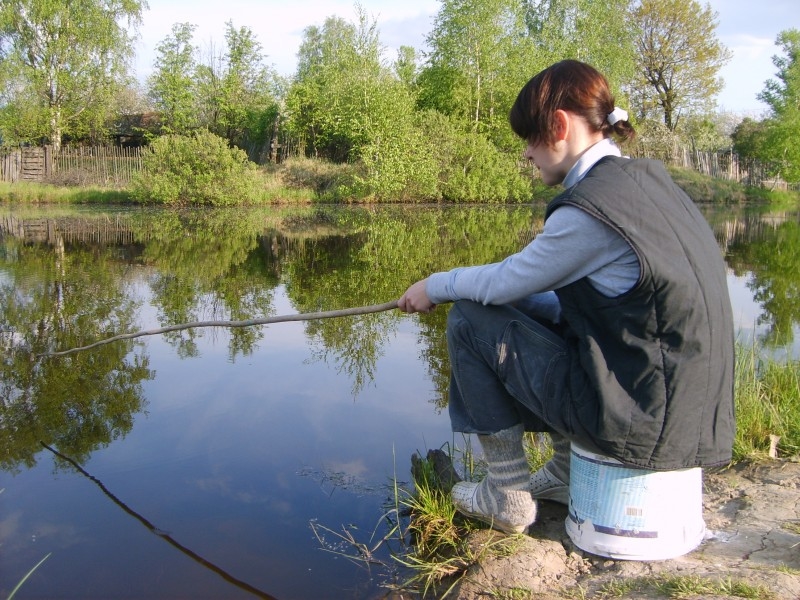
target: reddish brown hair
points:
(568, 85)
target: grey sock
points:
(558, 465)
(502, 497)
(505, 455)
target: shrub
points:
(470, 167)
(200, 169)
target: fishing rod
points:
(326, 314)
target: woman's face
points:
(549, 160)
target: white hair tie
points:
(617, 114)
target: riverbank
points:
(307, 182)
(751, 550)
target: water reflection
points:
(159, 532)
(217, 434)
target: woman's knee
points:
(459, 318)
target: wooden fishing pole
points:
(326, 314)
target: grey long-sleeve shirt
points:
(571, 246)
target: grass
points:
(702, 188)
(305, 180)
(43, 193)
(767, 405)
(27, 575)
(685, 586)
(279, 184)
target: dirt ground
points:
(752, 515)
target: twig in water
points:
(326, 314)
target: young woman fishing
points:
(611, 329)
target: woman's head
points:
(571, 86)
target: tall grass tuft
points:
(767, 393)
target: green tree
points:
(349, 107)
(172, 85)
(317, 113)
(783, 97)
(241, 94)
(678, 57)
(598, 33)
(62, 63)
(749, 139)
(480, 57)
(405, 66)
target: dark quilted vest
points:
(660, 356)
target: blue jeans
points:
(507, 368)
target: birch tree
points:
(480, 57)
(62, 63)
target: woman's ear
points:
(562, 124)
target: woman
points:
(611, 329)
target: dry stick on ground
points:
(326, 314)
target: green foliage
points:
(704, 132)
(171, 86)
(595, 32)
(349, 108)
(779, 142)
(398, 162)
(200, 169)
(767, 404)
(750, 139)
(405, 67)
(480, 58)
(678, 57)
(704, 188)
(237, 92)
(335, 63)
(470, 168)
(62, 64)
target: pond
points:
(218, 462)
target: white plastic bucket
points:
(633, 514)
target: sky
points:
(746, 28)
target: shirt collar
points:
(605, 147)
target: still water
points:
(251, 462)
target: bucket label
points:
(612, 497)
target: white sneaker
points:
(512, 512)
(546, 486)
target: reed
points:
(767, 392)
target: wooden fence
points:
(727, 165)
(108, 166)
(26, 164)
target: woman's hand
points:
(416, 299)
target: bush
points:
(200, 169)
(471, 168)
